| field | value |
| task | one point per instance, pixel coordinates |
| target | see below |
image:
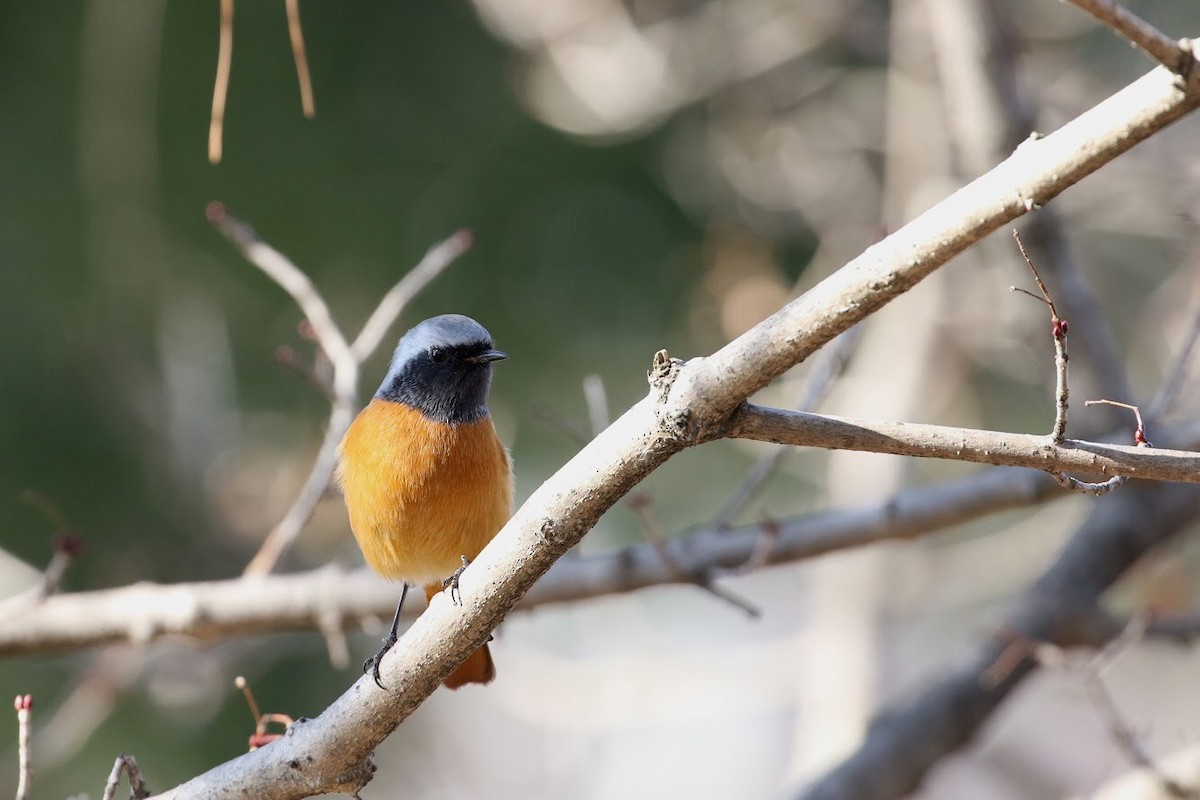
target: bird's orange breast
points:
(421, 494)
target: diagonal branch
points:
(1175, 56)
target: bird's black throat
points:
(452, 391)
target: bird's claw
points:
(371, 665)
(452, 582)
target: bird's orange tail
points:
(478, 668)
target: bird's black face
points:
(443, 368)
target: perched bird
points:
(426, 479)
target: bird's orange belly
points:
(422, 494)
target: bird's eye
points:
(437, 354)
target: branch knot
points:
(662, 373)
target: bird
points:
(426, 479)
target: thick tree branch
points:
(962, 444)
(686, 405)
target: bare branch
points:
(216, 123)
(147, 612)
(962, 444)
(344, 386)
(126, 764)
(66, 543)
(1139, 433)
(1058, 333)
(1174, 55)
(1095, 489)
(1093, 337)
(279, 268)
(296, 35)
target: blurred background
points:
(638, 174)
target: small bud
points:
(67, 544)
(215, 212)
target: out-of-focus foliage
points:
(638, 175)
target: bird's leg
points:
(389, 641)
(452, 582)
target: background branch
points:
(1060, 607)
(1175, 56)
(147, 612)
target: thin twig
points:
(137, 787)
(241, 683)
(67, 545)
(260, 736)
(1099, 488)
(24, 706)
(216, 123)
(344, 386)
(296, 34)
(1174, 55)
(1119, 728)
(283, 534)
(1054, 656)
(291, 279)
(1096, 489)
(828, 368)
(1058, 331)
(1139, 433)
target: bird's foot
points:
(452, 582)
(371, 665)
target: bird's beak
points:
(486, 356)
